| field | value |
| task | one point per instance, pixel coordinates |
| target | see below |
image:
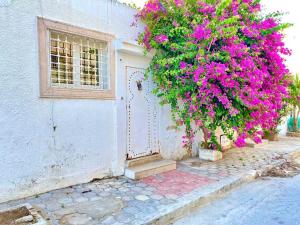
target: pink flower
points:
(179, 3)
(197, 73)
(162, 38)
(240, 142)
(146, 39)
(211, 114)
(257, 140)
(201, 32)
(182, 65)
(152, 6)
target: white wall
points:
(292, 39)
(33, 157)
(292, 34)
(171, 138)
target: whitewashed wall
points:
(33, 157)
(291, 8)
(292, 35)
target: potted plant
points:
(294, 102)
(213, 152)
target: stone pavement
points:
(268, 201)
(161, 198)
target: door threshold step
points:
(149, 169)
(143, 160)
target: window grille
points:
(78, 62)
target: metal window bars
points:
(78, 62)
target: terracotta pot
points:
(273, 137)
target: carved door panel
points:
(142, 121)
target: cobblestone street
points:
(124, 201)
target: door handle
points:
(139, 85)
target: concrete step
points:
(151, 168)
(143, 160)
(251, 144)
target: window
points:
(78, 62)
(75, 62)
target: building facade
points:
(74, 103)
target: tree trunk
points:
(295, 121)
(205, 134)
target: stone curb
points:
(199, 199)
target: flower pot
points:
(210, 155)
(273, 137)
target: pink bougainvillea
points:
(162, 38)
(218, 64)
(201, 32)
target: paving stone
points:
(123, 189)
(95, 198)
(166, 201)
(81, 199)
(127, 198)
(90, 195)
(147, 192)
(45, 196)
(64, 211)
(118, 223)
(137, 189)
(142, 197)
(141, 185)
(39, 205)
(171, 196)
(124, 218)
(52, 205)
(76, 219)
(104, 194)
(109, 220)
(65, 201)
(156, 197)
(152, 189)
(131, 210)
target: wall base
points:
(45, 185)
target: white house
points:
(74, 105)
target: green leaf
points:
(222, 6)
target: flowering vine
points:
(218, 63)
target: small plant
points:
(294, 102)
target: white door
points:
(142, 116)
